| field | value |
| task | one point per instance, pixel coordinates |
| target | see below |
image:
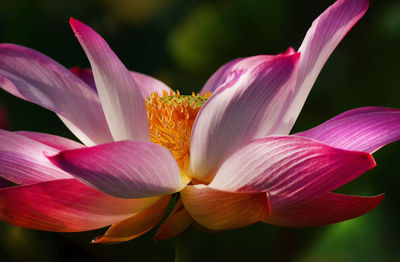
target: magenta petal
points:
(57, 142)
(86, 75)
(119, 94)
(34, 77)
(321, 39)
(65, 205)
(249, 105)
(325, 209)
(127, 169)
(363, 129)
(291, 169)
(22, 160)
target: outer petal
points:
(119, 93)
(64, 205)
(176, 222)
(220, 210)
(249, 105)
(326, 209)
(22, 160)
(135, 225)
(291, 169)
(127, 169)
(57, 142)
(363, 129)
(34, 77)
(321, 39)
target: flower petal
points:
(135, 225)
(364, 129)
(57, 142)
(321, 39)
(221, 210)
(326, 209)
(127, 169)
(249, 106)
(176, 222)
(22, 160)
(119, 94)
(34, 77)
(64, 205)
(291, 169)
(86, 75)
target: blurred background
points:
(182, 42)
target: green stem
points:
(182, 248)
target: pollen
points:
(171, 118)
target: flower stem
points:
(182, 248)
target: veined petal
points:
(135, 225)
(249, 105)
(364, 129)
(176, 222)
(127, 169)
(22, 160)
(321, 39)
(65, 205)
(119, 94)
(325, 209)
(291, 169)
(34, 77)
(222, 210)
(57, 142)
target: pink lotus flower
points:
(229, 156)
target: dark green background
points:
(183, 43)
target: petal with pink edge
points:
(65, 205)
(321, 39)
(249, 105)
(22, 160)
(291, 169)
(119, 94)
(135, 225)
(222, 210)
(34, 77)
(127, 169)
(176, 222)
(364, 129)
(325, 209)
(57, 142)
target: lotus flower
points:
(226, 151)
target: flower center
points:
(171, 119)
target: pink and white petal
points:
(57, 142)
(65, 205)
(119, 94)
(126, 169)
(326, 209)
(135, 225)
(222, 210)
(86, 75)
(291, 169)
(364, 129)
(22, 160)
(175, 223)
(35, 77)
(321, 39)
(248, 106)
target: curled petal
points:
(222, 210)
(127, 169)
(364, 129)
(325, 209)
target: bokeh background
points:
(182, 42)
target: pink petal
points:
(135, 225)
(127, 169)
(321, 39)
(291, 169)
(57, 142)
(34, 77)
(364, 129)
(176, 222)
(65, 205)
(22, 160)
(119, 94)
(222, 210)
(86, 75)
(326, 209)
(248, 106)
